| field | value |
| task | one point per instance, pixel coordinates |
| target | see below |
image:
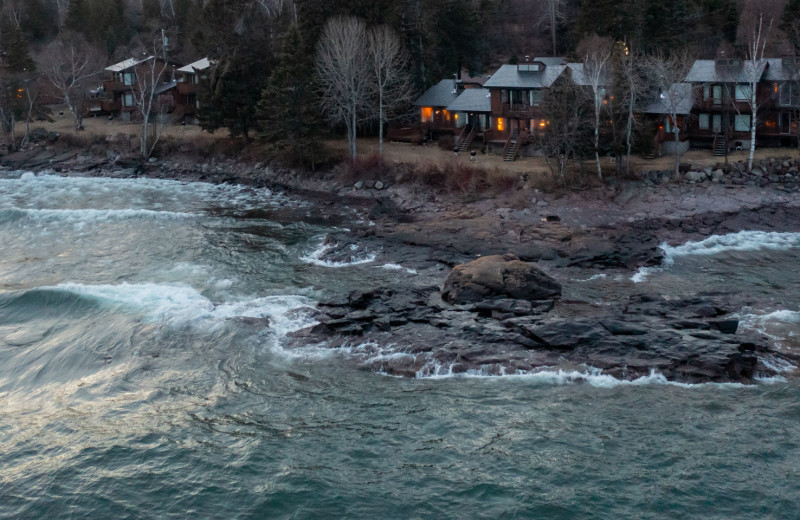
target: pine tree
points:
(18, 59)
(287, 112)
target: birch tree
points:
(596, 53)
(390, 79)
(665, 72)
(70, 64)
(149, 75)
(629, 92)
(756, 62)
(342, 67)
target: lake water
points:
(143, 374)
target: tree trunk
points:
(597, 135)
(628, 132)
(752, 127)
(677, 141)
(380, 123)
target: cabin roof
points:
(508, 76)
(439, 95)
(778, 70)
(200, 64)
(165, 86)
(706, 71)
(472, 100)
(127, 64)
(681, 93)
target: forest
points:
(265, 49)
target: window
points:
(741, 123)
(742, 92)
(427, 114)
(127, 79)
(706, 92)
(716, 122)
(703, 122)
(127, 100)
(785, 94)
(501, 124)
(535, 97)
(716, 93)
(504, 96)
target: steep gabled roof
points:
(707, 71)
(127, 64)
(472, 100)
(201, 64)
(779, 70)
(508, 76)
(439, 95)
(681, 93)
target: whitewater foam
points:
(592, 376)
(180, 305)
(716, 244)
(315, 257)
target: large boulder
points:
(504, 276)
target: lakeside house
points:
(175, 96)
(671, 111)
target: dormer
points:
(530, 66)
(727, 63)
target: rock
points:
(379, 185)
(717, 175)
(498, 276)
(695, 176)
(359, 185)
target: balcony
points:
(108, 105)
(115, 86)
(520, 111)
(187, 88)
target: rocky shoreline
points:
(616, 226)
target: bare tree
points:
(147, 97)
(390, 79)
(756, 63)
(596, 53)
(552, 13)
(342, 67)
(630, 90)
(70, 64)
(567, 110)
(60, 7)
(666, 73)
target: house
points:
(471, 111)
(778, 125)
(123, 82)
(188, 78)
(671, 110)
(721, 112)
(433, 103)
(516, 95)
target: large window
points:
(535, 97)
(127, 100)
(427, 114)
(127, 78)
(741, 123)
(703, 122)
(785, 94)
(742, 92)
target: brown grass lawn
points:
(393, 152)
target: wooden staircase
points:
(465, 139)
(511, 148)
(720, 145)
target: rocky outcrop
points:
(411, 331)
(498, 276)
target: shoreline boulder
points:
(498, 276)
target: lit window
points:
(427, 114)
(501, 124)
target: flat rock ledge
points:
(413, 332)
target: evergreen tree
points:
(76, 16)
(287, 113)
(790, 23)
(18, 59)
